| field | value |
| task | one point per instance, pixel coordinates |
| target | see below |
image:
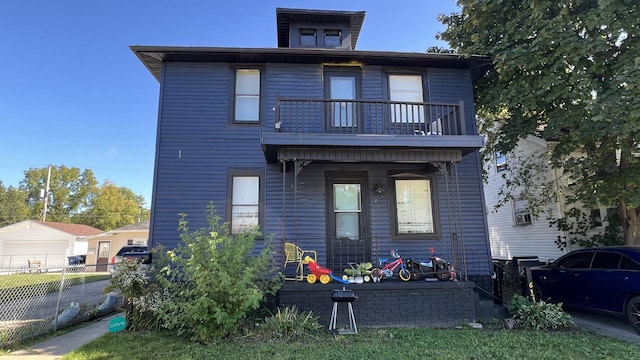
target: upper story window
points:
(332, 38)
(406, 88)
(247, 96)
(501, 162)
(308, 37)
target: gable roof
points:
(74, 229)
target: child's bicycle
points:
(387, 268)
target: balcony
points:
(353, 130)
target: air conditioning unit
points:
(523, 219)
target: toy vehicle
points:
(320, 272)
(433, 267)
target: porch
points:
(390, 302)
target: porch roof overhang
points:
(368, 148)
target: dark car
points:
(77, 259)
(606, 279)
(138, 253)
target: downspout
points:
(284, 199)
(560, 205)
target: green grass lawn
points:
(20, 286)
(19, 280)
(392, 343)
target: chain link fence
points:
(36, 299)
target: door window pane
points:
(347, 226)
(347, 208)
(580, 260)
(413, 206)
(343, 88)
(347, 197)
(628, 264)
(247, 95)
(406, 88)
(606, 260)
(245, 203)
(103, 249)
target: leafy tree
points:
(70, 191)
(13, 205)
(568, 72)
(113, 207)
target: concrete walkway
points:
(57, 347)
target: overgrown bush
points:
(146, 290)
(539, 315)
(216, 279)
(288, 324)
(205, 287)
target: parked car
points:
(605, 279)
(131, 252)
(77, 259)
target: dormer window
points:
(308, 37)
(332, 38)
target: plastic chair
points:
(295, 255)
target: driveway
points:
(609, 325)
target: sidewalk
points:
(57, 347)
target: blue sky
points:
(73, 94)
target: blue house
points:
(349, 153)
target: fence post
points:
(55, 322)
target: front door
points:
(348, 240)
(102, 260)
(342, 112)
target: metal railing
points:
(373, 117)
(33, 303)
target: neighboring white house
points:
(49, 242)
(513, 230)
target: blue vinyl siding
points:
(196, 146)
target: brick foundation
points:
(388, 303)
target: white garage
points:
(49, 242)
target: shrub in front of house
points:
(208, 285)
(539, 315)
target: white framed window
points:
(247, 96)
(406, 88)
(521, 212)
(413, 207)
(245, 203)
(501, 161)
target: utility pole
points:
(46, 196)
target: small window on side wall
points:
(501, 162)
(522, 214)
(247, 96)
(413, 207)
